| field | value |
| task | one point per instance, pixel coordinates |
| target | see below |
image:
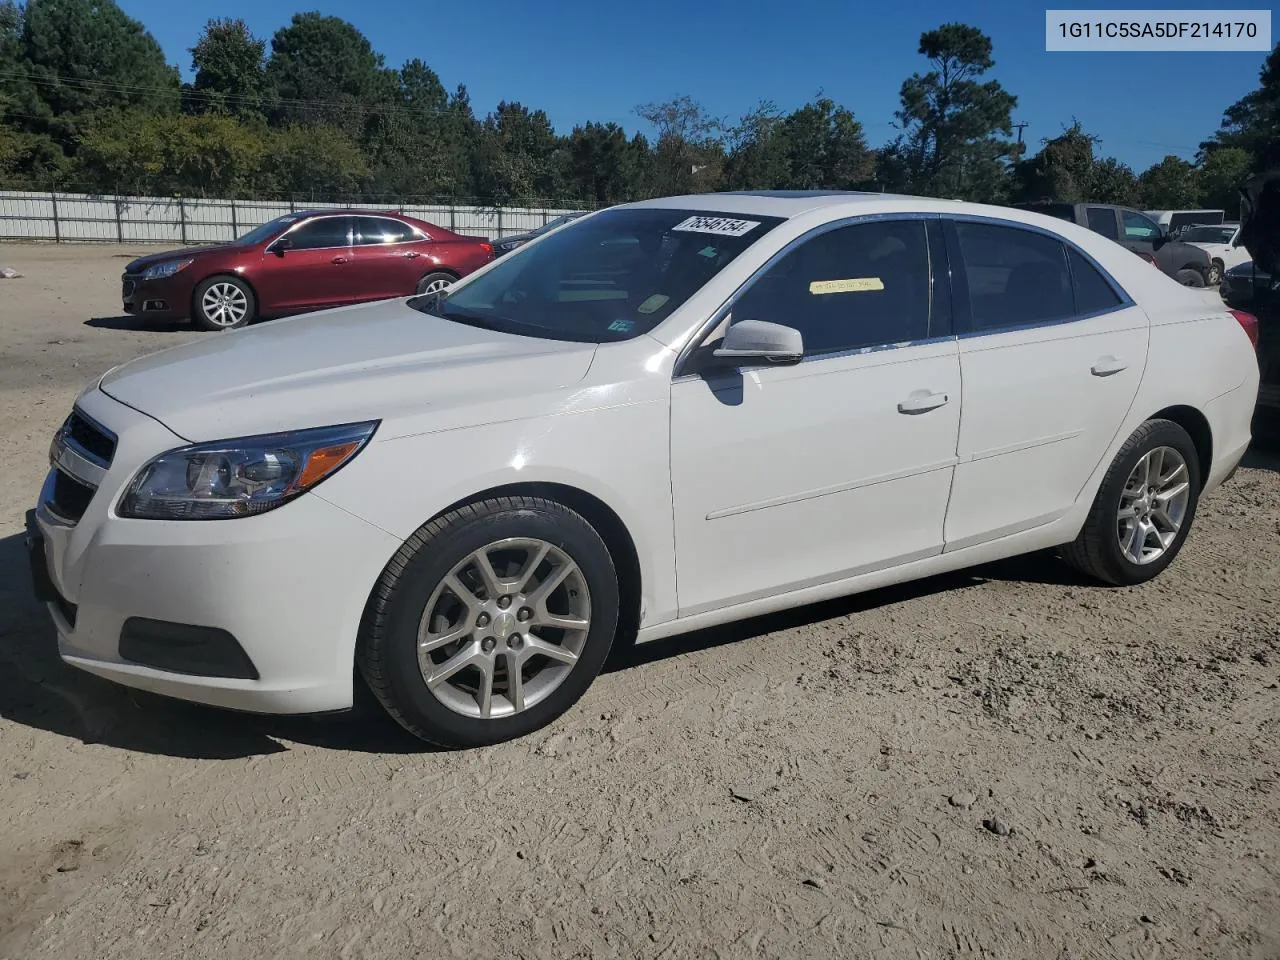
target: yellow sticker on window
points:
(653, 303)
(852, 285)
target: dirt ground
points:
(809, 784)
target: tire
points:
(448, 713)
(1097, 551)
(1190, 277)
(1215, 273)
(435, 279)
(222, 303)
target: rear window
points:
(1015, 276)
(1103, 220)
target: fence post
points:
(119, 225)
(453, 217)
(57, 228)
(182, 217)
(235, 229)
(499, 236)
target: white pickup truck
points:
(1216, 240)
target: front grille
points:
(70, 497)
(128, 286)
(90, 437)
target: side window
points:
(1138, 227)
(863, 285)
(1014, 276)
(375, 230)
(1103, 220)
(321, 233)
(1093, 293)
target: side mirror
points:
(757, 341)
(281, 245)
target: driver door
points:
(790, 477)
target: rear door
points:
(1051, 355)
(389, 258)
(313, 271)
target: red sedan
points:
(300, 262)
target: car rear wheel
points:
(435, 282)
(222, 303)
(1144, 508)
(1190, 278)
(1215, 273)
(490, 622)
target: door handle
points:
(922, 401)
(1106, 366)
(412, 255)
(338, 260)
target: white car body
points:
(1224, 253)
(809, 485)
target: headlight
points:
(158, 271)
(240, 478)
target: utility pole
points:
(1019, 127)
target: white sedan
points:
(667, 415)
(1216, 240)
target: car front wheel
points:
(222, 303)
(490, 622)
(1143, 510)
(1215, 273)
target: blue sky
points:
(597, 59)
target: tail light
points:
(486, 247)
(1249, 323)
(1150, 258)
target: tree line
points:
(88, 101)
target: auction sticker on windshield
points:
(721, 226)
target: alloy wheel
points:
(225, 304)
(1153, 505)
(504, 628)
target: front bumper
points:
(167, 299)
(286, 588)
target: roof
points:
(777, 203)
(350, 212)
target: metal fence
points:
(37, 215)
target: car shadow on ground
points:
(136, 324)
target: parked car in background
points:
(507, 244)
(1187, 264)
(1174, 222)
(1217, 242)
(1248, 287)
(297, 263)
(1243, 284)
(674, 414)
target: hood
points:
(181, 253)
(365, 362)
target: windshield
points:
(610, 277)
(552, 224)
(1208, 234)
(267, 230)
